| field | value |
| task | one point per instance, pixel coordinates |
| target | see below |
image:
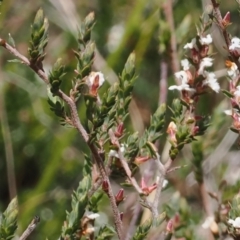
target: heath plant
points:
(112, 149)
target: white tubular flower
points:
(211, 81)
(235, 43)
(206, 62)
(93, 75)
(185, 64)
(190, 45)
(235, 223)
(206, 40)
(93, 216)
(183, 77)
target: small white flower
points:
(92, 76)
(206, 62)
(185, 64)
(235, 43)
(206, 40)
(93, 216)
(208, 221)
(183, 77)
(182, 87)
(114, 153)
(190, 45)
(235, 223)
(211, 81)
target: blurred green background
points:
(48, 157)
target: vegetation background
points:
(40, 160)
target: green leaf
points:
(142, 231)
(9, 220)
(15, 61)
(105, 233)
(79, 204)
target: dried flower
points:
(232, 69)
(94, 82)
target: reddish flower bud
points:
(169, 227)
(147, 190)
(119, 197)
(105, 186)
(119, 130)
(226, 20)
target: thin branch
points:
(77, 124)
(176, 168)
(161, 178)
(124, 163)
(44, 77)
(116, 214)
(30, 228)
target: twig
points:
(124, 163)
(77, 124)
(176, 168)
(44, 77)
(100, 164)
(30, 228)
(162, 174)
